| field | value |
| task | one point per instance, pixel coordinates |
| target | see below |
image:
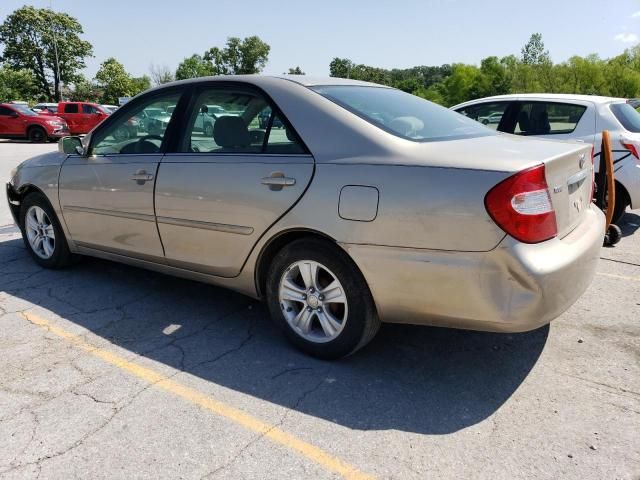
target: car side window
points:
(235, 121)
(5, 111)
(489, 114)
(138, 128)
(71, 108)
(548, 118)
(282, 140)
(88, 108)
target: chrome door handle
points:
(141, 176)
(277, 181)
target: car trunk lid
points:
(570, 180)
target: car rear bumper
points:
(515, 287)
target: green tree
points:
(84, 91)
(17, 85)
(340, 67)
(114, 81)
(193, 67)
(140, 84)
(296, 71)
(533, 52)
(248, 56)
(48, 44)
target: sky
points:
(389, 34)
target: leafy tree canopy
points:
(46, 43)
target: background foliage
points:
(532, 71)
(43, 55)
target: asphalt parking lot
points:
(108, 371)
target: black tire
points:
(37, 135)
(485, 122)
(61, 256)
(622, 202)
(362, 322)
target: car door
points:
(107, 196)
(90, 117)
(219, 193)
(71, 114)
(11, 123)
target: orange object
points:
(611, 187)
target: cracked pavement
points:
(560, 402)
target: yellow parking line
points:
(622, 277)
(271, 432)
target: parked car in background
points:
(110, 108)
(339, 220)
(153, 121)
(81, 117)
(45, 108)
(491, 118)
(573, 117)
(19, 121)
(263, 119)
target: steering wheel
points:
(139, 145)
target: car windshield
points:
(403, 114)
(24, 110)
(627, 116)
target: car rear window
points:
(628, 116)
(403, 114)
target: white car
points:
(573, 117)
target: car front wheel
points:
(37, 135)
(320, 300)
(42, 233)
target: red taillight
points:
(632, 148)
(521, 206)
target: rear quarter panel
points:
(418, 207)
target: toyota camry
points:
(365, 205)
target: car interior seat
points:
(523, 122)
(231, 134)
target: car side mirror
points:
(71, 146)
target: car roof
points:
(597, 99)
(260, 80)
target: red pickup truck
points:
(81, 116)
(19, 121)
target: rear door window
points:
(548, 118)
(4, 111)
(489, 114)
(71, 108)
(227, 120)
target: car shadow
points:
(629, 223)
(415, 379)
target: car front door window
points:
(137, 130)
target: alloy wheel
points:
(313, 301)
(40, 232)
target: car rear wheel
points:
(37, 135)
(42, 233)
(320, 300)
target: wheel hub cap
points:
(40, 233)
(313, 301)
